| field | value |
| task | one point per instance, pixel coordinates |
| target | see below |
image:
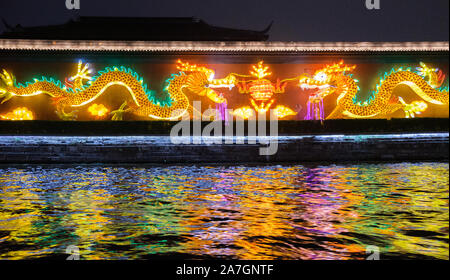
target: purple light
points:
(221, 112)
(312, 111)
(308, 114)
(322, 113)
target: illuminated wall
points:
(88, 86)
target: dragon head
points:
(202, 82)
(434, 76)
(324, 81)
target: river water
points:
(312, 211)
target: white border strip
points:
(190, 46)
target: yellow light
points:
(244, 112)
(262, 108)
(282, 111)
(260, 71)
(98, 110)
(18, 114)
(7, 78)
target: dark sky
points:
(294, 20)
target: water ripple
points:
(233, 212)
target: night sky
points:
(294, 20)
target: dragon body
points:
(336, 79)
(76, 92)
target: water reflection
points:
(242, 212)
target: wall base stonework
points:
(160, 150)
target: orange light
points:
(338, 67)
(19, 114)
(261, 90)
(185, 66)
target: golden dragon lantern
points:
(426, 82)
(322, 85)
(82, 89)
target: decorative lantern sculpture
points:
(261, 91)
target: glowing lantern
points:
(261, 90)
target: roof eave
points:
(220, 46)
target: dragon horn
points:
(441, 78)
(185, 66)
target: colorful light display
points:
(261, 90)
(382, 102)
(321, 84)
(76, 93)
(200, 81)
(332, 83)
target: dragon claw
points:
(6, 96)
(117, 115)
(83, 73)
(67, 116)
(413, 109)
